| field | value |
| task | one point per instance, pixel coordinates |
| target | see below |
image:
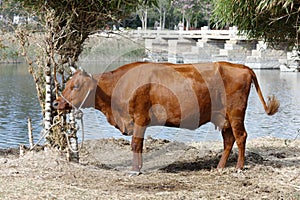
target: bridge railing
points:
(204, 32)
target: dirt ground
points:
(171, 170)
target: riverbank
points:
(172, 170)
(9, 49)
(115, 48)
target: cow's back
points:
(178, 95)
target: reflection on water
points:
(18, 101)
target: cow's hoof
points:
(220, 170)
(134, 173)
(240, 171)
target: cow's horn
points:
(73, 70)
(81, 69)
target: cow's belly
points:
(179, 109)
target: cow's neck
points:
(103, 95)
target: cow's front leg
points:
(137, 148)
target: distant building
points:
(24, 20)
(19, 19)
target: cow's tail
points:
(273, 104)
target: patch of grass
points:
(9, 48)
(116, 48)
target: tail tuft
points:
(273, 105)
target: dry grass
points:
(272, 172)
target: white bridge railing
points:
(231, 34)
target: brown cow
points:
(142, 94)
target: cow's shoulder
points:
(232, 67)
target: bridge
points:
(205, 45)
(208, 45)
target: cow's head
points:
(79, 92)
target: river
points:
(18, 101)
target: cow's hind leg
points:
(240, 136)
(137, 148)
(228, 141)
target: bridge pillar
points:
(204, 50)
(172, 51)
(209, 49)
(148, 45)
(156, 49)
(237, 50)
(263, 57)
(178, 49)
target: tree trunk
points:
(48, 100)
(187, 24)
(73, 154)
(146, 19)
(164, 20)
(160, 18)
(183, 19)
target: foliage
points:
(76, 20)
(155, 9)
(169, 12)
(275, 21)
(193, 10)
(66, 24)
(2, 49)
(8, 48)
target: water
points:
(18, 101)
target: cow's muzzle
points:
(55, 104)
(61, 104)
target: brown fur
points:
(142, 94)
